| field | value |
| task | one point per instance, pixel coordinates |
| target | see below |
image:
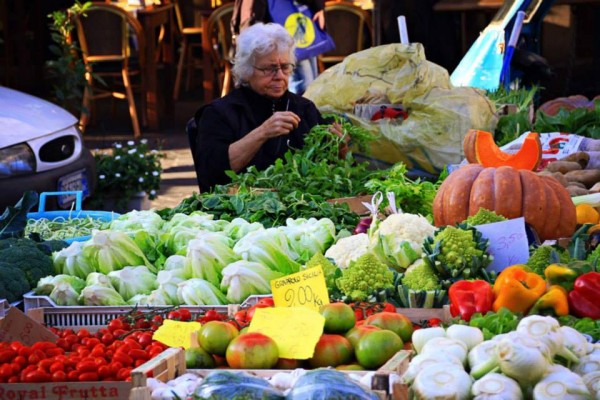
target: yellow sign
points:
(301, 28)
(303, 289)
(176, 333)
(296, 330)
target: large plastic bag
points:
(439, 115)
(327, 384)
(225, 385)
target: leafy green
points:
(412, 196)
(14, 219)
(582, 325)
(580, 121)
(495, 323)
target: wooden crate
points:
(165, 366)
(354, 203)
(416, 315)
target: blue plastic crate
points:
(77, 212)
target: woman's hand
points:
(319, 17)
(338, 131)
(280, 123)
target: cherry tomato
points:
(145, 339)
(59, 376)
(13, 379)
(20, 360)
(388, 307)
(88, 376)
(433, 322)
(185, 314)
(37, 376)
(157, 320)
(57, 366)
(73, 376)
(138, 354)
(115, 324)
(45, 364)
(7, 355)
(83, 333)
(6, 371)
(107, 338)
(174, 315)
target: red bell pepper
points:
(470, 297)
(583, 299)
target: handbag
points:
(310, 39)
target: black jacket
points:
(228, 119)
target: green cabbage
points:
(268, 247)
(200, 293)
(245, 278)
(97, 295)
(239, 227)
(309, 236)
(71, 261)
(112, 250)
(167, 284)
(207, 255)
(197, 220)
(66, 294)
(175, 241)
(147, 221)
(175, 262)
(130, 281)
(96, 278)
(47, 284)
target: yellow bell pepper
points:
(554, 302)
(518, 289)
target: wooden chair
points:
(219, 34)
(105, 34)
(190, 32)
(351, 29)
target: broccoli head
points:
(329, 269)
(457, 253)
(545, 255)
(483, 216)
(363, 276)
(25, 255)
(420, 276)
(13, 283)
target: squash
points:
(541, 200)
(480, 148)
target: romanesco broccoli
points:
(457, 253)
(363, 276)
(543, 256)
(483, 216)
(420, 276)
(328, 269)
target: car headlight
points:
(16, 160)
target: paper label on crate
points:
(296, 330)
(18, 326)
(176, 333)
(303, 289)
(507, 243)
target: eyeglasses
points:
(273, 69)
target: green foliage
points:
(483, 216)
(412, 196)
(67, 69)
(545, 255)
(579, 121)
(364, 275)
(510, 126)
(129, 169)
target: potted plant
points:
(128, 176)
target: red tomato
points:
(268, 301)
(25, 351)
(37, 376)
(175, 315)
(14, 379)
(104, 371)
(157, 320)
(115, 324)
(59, 376)
(124, 373)
(88, 377)
(185, 314)
(432, 322)
(83, 333)
(376, 347)
(86, 366)
(388, 307)
(6, 371)
(73, 376)
(123, 358)
(20, 360)
(107, 338)
(45, 364)
(57, 366)
(356, 333)
(331, 351)
(16, 346)
(7, 355)
(53, 352)
(339, 317)
(138, 354)
(145, 339)
(252, 351)
(133, 343)
(394, 322)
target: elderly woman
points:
(260, 118)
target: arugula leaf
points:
(14, 218)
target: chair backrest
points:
(350, 27)
(187, 13)
(104, 33)
(219, 34)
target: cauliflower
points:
(483, 216)
(363, 276)
(348, 249)
(545, 255)
(399, 238)
(420, 276)
(455, 253)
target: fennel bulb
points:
(592, 381)
(575, 341)
(587, 364)
(446, 345)
(561, 383)
(496, 387)
(527, 365)
(421, 361)
(422, 336)
(547, 330)
(440, 382)
(482, 354)
(469, 335)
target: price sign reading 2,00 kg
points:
(302, 289)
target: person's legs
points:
(305, 72)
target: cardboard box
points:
(354, 203)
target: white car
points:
(41, 149)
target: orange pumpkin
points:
(541, 200)
(480, 148)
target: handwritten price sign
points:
(508, 243)
(302, 289)
(176, 333)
